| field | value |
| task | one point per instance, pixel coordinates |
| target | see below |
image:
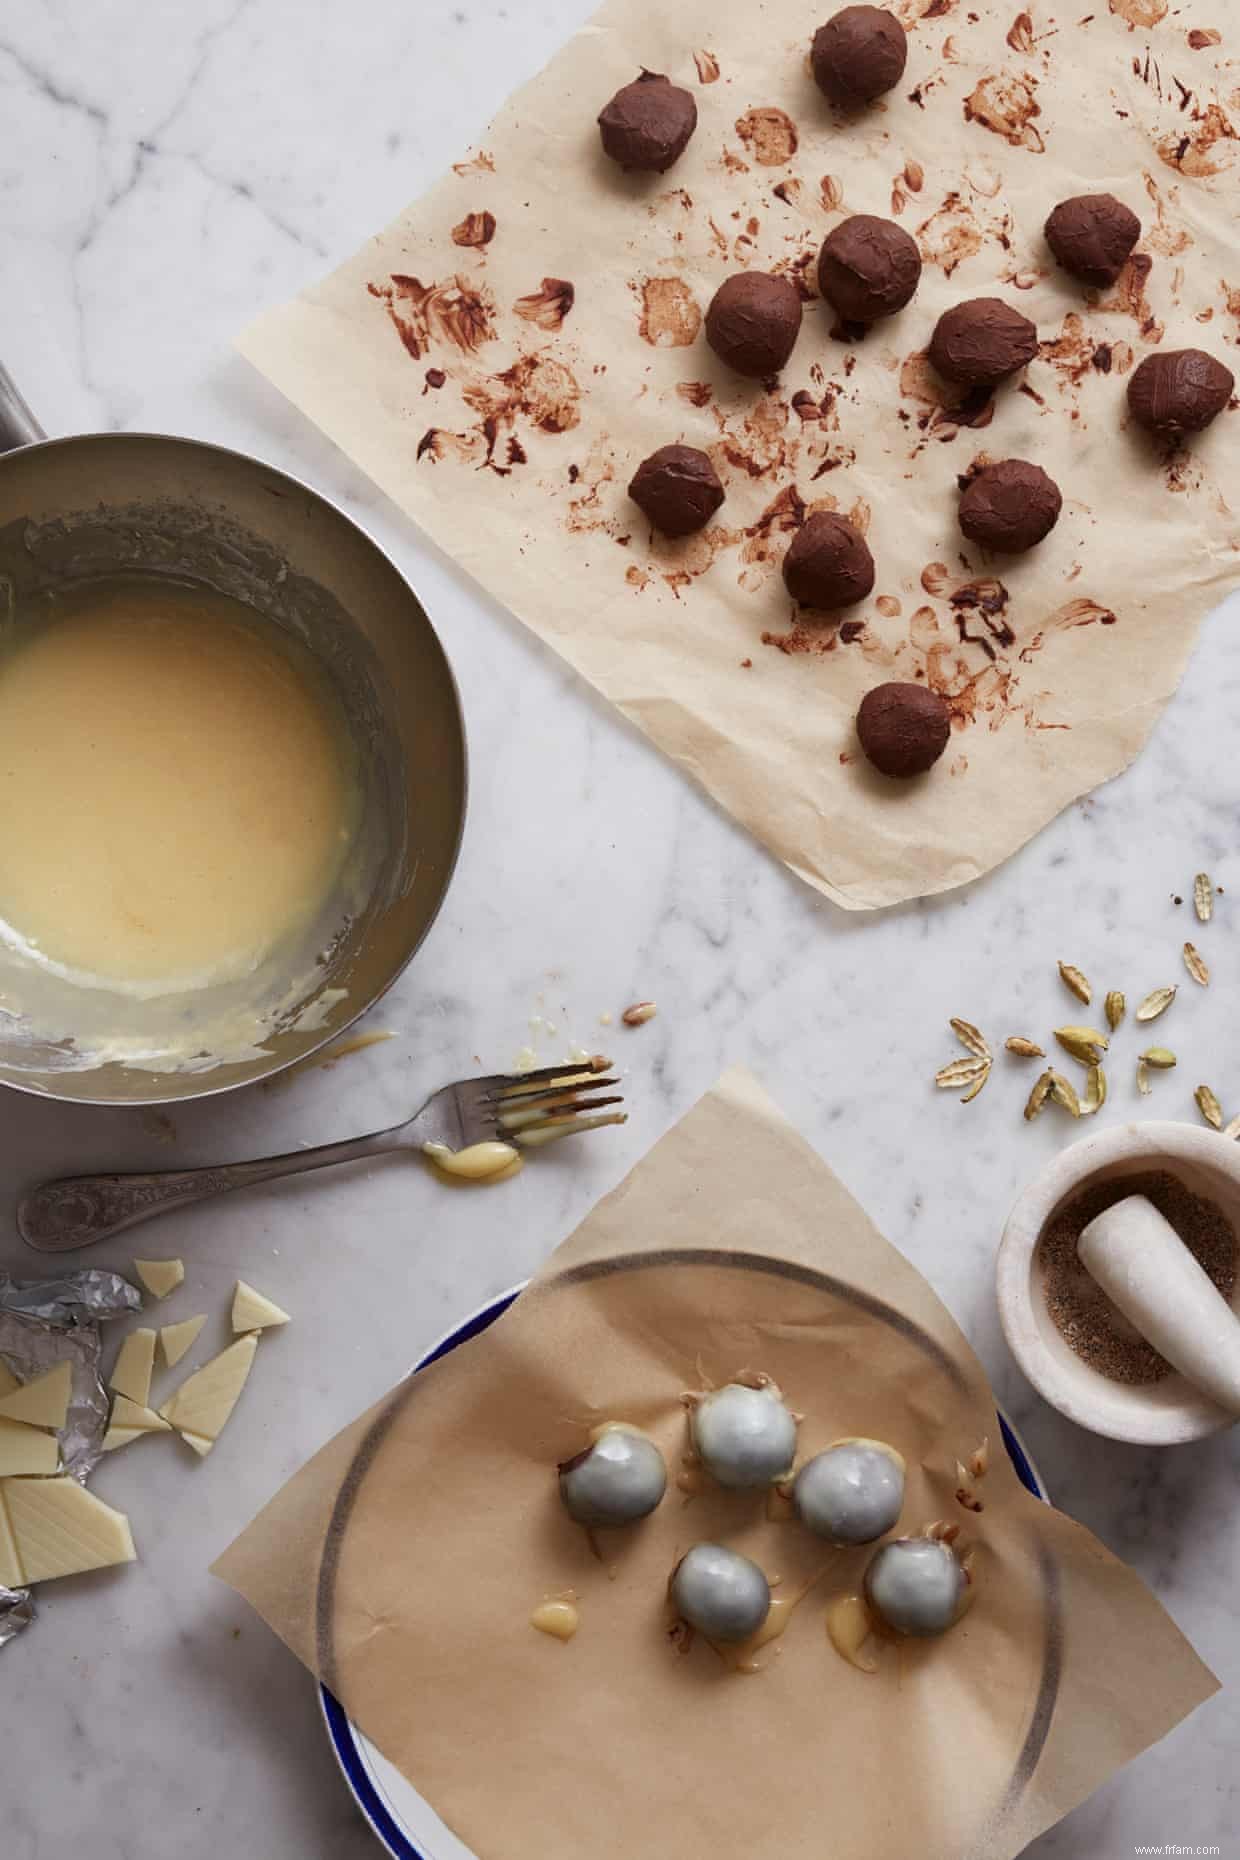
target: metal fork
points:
(525, 1108)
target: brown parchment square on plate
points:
(503, 355)
(403, 1562)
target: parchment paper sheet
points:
(506, 352)
(402, 1563)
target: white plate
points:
(404, 1821)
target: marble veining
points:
(166, 172)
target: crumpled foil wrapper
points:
(16, 1612)
(41, 1324)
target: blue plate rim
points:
(339, 1728)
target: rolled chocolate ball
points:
(1091, 235)
(648, 123)
(903, 728)
(720, 1593)
(619, 1478)
(678, 488)
(1010, 506)
(745, 1437)
(868, 268)
(1179, 391)
(828, 563)
(982, 341)
(916, 1586)
(859, 54)
(853, 1492)
(753, 321)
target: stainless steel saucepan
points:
(140, 504)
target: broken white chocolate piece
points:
(160, 1276)
(176, 1339)
(127, 1413)
(10, 1565)
(55, 1527)
(25, 1450)
(128, 1421)
(201, 1406)
(43, 1402)
(251, 1311)
(131, 1374)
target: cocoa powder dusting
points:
(1006, 104)
(950, 234)
(1081, 1311)
(456, 312)
(549, 305)
(536, 387)
(670, 317)
(476, 229)
(1207, 149)
(769, 134)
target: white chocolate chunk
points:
(160, 1276)
(129, 1421)
(251, 1311)
(25, 1450)
(56, 1528)
(123, 1437)
(126, 1413)
(10, 1565)
(43, 1402)
(132, 1372)
(204, 1401)
(199, 1442)
(176, 1339)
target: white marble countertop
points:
(164, 172)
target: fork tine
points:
(516, 1083)
(546, 1094)
(534, 1116)
(552, 1128)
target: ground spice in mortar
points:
(1085, 1317)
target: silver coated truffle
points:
(915, 1586)
(852, 1493)
(619, 1478)
(745, 1437)
(720, 1593)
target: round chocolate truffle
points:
(981, 342)
(903, 728)
(648, 123)
(1010, 506)
(868, 268)
(828, 563)
(860, 53)
(1179, 391)
(916, 1586)
(1091, 235)
(753, 321)
(678, 488)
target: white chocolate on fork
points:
(480, 1162)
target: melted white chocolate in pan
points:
(176, 787)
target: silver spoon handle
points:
(77, 1210)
